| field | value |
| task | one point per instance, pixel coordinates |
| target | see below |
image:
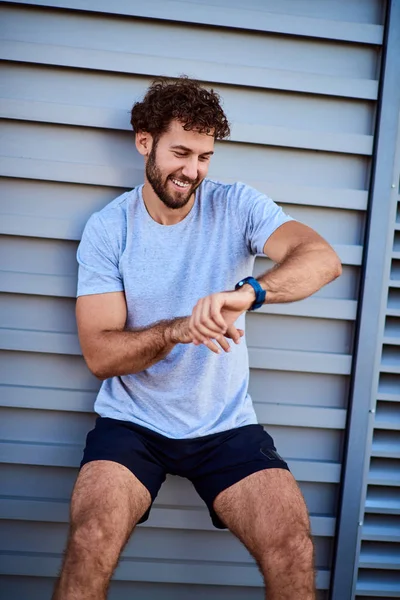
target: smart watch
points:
(260, 293)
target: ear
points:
(143, 141)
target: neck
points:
(159, 212)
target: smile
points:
(179, 183)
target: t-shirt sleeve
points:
(98, 271)
(258, 216)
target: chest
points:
(165, 275)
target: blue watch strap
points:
(260, 293)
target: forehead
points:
(197, 142)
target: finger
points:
(223, 342)
(215, 306)
(209, 306)
(200, 326)
(233, 333)
(213, 347)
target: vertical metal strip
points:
(371, 318)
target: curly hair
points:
(182, 99)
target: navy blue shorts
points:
(212, 462)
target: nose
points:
(190, 168)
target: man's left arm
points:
(305, 262)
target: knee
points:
(300, 546)
(292, 550)
(93, 537)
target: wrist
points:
(175, 331)
(247, 291)
(168, 333)
(259, 292)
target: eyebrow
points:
(185, 149)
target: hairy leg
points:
(107, 502)
(267, 512)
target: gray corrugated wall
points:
(300, 82)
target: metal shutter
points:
(300, 83)
(368, 549)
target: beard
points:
(155, 178)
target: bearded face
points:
(177, 164)
(173, 189)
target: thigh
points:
(107, 502)
(108, 498)
(229, 458)
(119, 477)
(264, 510)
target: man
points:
(162, 294)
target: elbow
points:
(100, 372)
(100, 375)
(96, 368)
(336, 266)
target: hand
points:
(216, 314)
(178, 332)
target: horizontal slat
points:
(325, 308)
(122, 62)
(383, 534)
(380, 423)
(55, 455)
(382, 506)
(47, 398)
(50, 170)
(388, 417)
(40, 226)
(384, 472)
(109, 118)
(46, 170)
(377, 590)
(69, 455)
(82, 401)
(390, 368)
(282, 360)
(385, 451)
(39, 341)
(386, 444)
(379, 562)
(234, 17)
(160, 516)
(309, 362)
(382, 479)
(53, 228)
(395, 341)
(394, 283)
(311, 196)
(38, 283)
(388, 397)
(296, 138)
(167, 571)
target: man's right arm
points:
(111, 350)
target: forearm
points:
(301, 274)
(126, 352)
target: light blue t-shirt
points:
(163, 271)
